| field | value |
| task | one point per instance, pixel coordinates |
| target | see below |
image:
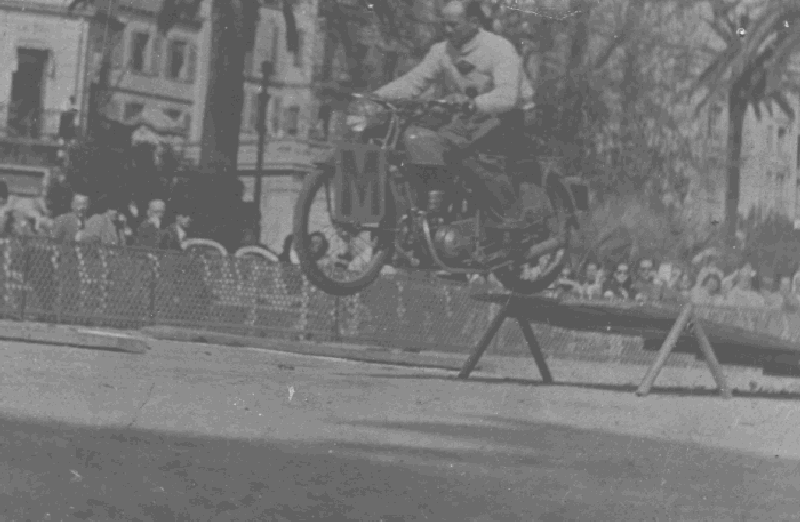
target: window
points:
(276, 116)
(139, 44)
(322, 127)
(133, 109)
(293, 121)
(714, 114)
(173, 114)
(274, 46)
(176, 68)
(252, 122)
(781, 140)
(298, 56)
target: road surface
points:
(193, 432)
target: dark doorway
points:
(25, 112)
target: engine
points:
(456, 240)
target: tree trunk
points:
(225, 94)
(736, 111)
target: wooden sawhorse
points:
(686, 320)
(512, 308)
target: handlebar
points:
(406, 104)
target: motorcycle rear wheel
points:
(324, 273)
(514, 277)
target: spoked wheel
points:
(543, 262)
(339, 259)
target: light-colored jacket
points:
(498, 74)
(100, 229)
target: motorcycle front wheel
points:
(326, 249)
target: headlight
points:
(357, 123)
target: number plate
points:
(360, 183)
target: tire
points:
(382, 249)
(563, 212)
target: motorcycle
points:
(371, 193)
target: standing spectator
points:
(149, 231)
(69, 227)
(173, 236)
(104, 227)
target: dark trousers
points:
(477, 148)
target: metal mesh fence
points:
(129, 288)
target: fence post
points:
(26, 256)
(336, 327)
(153, 285)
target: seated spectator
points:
(645, 271)
(566, 283)
(588, 277)
(728, 282)
(685, 285)
(772, 298)
(644, 282)
(531, 273)
(620, 285)
(69, 227)
(149, 231)
(742, 293)
(595, 290)
(104, 227)
(791, 303)
(708, 291)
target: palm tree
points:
(750, 70)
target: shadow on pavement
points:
(622, 388)
(522, 471)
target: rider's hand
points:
(456, 97)
(469, 107)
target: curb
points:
(438, 360)
(72, 336)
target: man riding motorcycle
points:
(471, 60)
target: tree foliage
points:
(750, 71)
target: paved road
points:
(200, 433)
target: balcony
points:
(29, 137)
(31, 124)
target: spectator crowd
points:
(702, 281)
(111, 222)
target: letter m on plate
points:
(360, 184)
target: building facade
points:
(290, 115)
(156, 79)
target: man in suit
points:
(149, 231)
(69, 227)
(174, 235)
(103, 227)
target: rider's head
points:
(462, 20)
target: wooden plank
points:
(72, 336)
